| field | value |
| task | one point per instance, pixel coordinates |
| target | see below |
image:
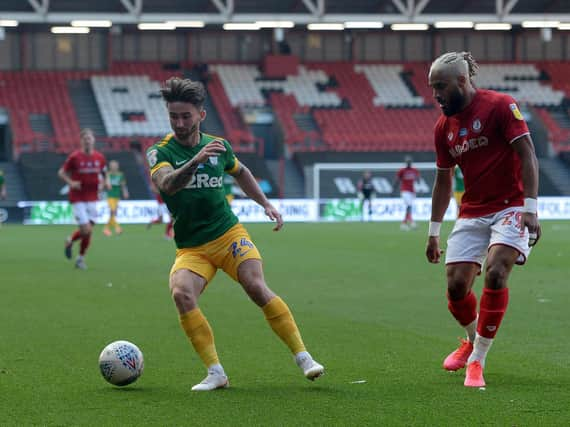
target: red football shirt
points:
(407, 178)
(85, 168)
(478, 139)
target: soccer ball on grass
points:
(121, 363)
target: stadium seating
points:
(356, 107)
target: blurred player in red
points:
(82, 171)
(406, 177)
(162, 210)
(484, 133)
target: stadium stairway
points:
(41, 123)
(85, 106)
(14, 185)
(557, 172)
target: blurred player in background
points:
(117, 185)
(161, 212)
(188, 167)
(81, 172)
(484, 133)
(2, 186)
(407, 177)
(458, 186)
(366, 193)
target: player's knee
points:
(496, 276)
(183, 298)
(457, 286)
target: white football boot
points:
(215, 379)
(311, 369)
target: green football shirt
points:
(116, 179)
(1, 177)
(200, 211)
(459, 184)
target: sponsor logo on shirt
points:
(462, 131)
(516, 112)
(181, 162)
(203, 180)
(468, 145)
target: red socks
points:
(465, 310)
(76, 235)
(85, 241)
(491, 311)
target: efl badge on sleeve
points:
(516, 111)
(152, 157)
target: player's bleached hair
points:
(176, 89)
(461, 62)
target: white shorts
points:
(471, 238)
(85, 212)
(408, 197)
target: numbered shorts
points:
(113, 203)
(84, 212)
(226, 252)
(408, 197)
(471, 238)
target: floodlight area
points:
(363, 25)
(187, 24)
(409, 27)
(156, 26)
(8, 23)
(493, 26)
(453, 24)
(325, 26)
(241, 26)
(70, 30)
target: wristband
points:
(530, 205)
(434, 228)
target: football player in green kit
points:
(187, 167)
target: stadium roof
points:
(297, 11)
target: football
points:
(121, 363)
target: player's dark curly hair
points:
(176, 89)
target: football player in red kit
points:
(83, 171)
(484, 133)
(407, 177)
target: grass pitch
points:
(369, 306)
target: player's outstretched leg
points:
(199, 332)
(283, 324)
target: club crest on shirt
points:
(476, 125)
(213, 161)
(516, 112)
